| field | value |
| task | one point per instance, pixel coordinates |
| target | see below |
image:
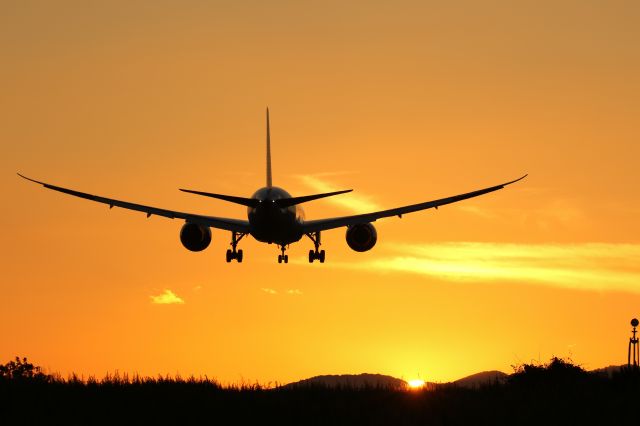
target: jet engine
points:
(361, 237)
(195, 237)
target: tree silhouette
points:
(21, 369)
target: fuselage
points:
(272, 224)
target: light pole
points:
(633, 346)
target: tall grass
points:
(558, 392)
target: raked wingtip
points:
(28, 178)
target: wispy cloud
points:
(475, 210)
(547, 214)
(591, 266)
(168, 297)
(291, 292)
(353, 202)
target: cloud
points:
(557, 213)
(168, 297)
(292, 292)
(356, 203)
(475, 210)
(589, 266)
(545, 215)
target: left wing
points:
(337, 222)
(235, 225)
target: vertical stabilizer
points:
(268, 152)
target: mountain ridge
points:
(372, 380)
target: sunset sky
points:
(403, 101)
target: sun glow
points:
(415, 383)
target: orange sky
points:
(402, 101)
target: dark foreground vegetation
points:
(551, 394)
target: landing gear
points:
(319, 255)
(283, 257)
(315, 254)
(233, 253)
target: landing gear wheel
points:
(315, 254)
(232, 253)
(283, 257)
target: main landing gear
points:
(315, 254)
(233, 253)
(283, 257)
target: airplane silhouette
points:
(274, 217)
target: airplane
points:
(275, 217)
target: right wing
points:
(338, 222)
(235, 225)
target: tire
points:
(239, 256)
(321, 257)
(229, 255)
(279, 258)
(311, 256)
(286, 258)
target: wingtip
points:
(516, 180)
(28, 178)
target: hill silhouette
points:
(482, 379)
(365, 380)
(353, 381)
(610, 370)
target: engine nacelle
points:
(195, 237)
(361, 237)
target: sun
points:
(416, 384)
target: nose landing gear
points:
(283, 257)
(233, 254)
(315, 254)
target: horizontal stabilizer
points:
(249, 202)
(252, 202)
(288, 202)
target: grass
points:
(558, 392)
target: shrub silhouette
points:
(558, 371)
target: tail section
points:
(269, 183)
(253, 202)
